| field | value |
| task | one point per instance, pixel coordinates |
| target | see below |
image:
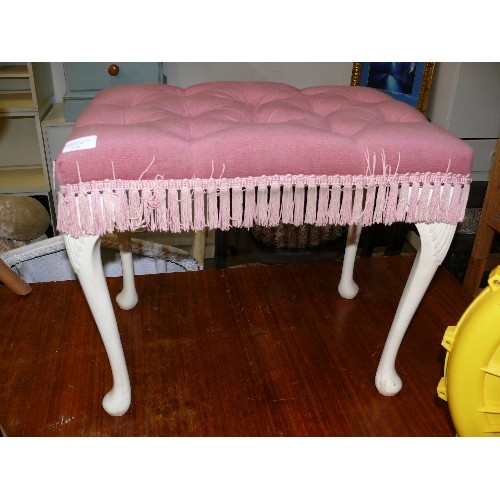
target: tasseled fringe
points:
(391, 203)
(357, 208)
(402, 202)
(463, 202)
(444, 202)
(346, 204)
(68, 213)
(174, 218)
(312, 196)
(380, 204)
(103, 207)
(236, 200)
(224, 208)
(159, 208)
(274, 212)
(147, 202)
(86, 220)
(435, 197)
(122, 213)
(423, 202)
(109, 214)
(262, 215)
(212, 212)
(287, 205)
(371, 191)
(135, 210)
(298, 206)
(186, 209)
(249, 207)
(199, 208)
(323, 198)
(334, 206)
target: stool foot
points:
(117, 401)
(435, 240)
(347, 288)
(85, 256)
(388, 382)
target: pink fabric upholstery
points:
(156, 139)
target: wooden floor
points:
(266, 350)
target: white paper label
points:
(88, 142)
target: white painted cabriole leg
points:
(127, 298)
(347, 287)
(435, 240)
(85, 256)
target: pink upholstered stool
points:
(234, 154)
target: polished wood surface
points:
(265, 350)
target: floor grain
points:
(266, 350)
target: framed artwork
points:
(409, 82)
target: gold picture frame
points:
(416, 91)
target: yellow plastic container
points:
(471, 382)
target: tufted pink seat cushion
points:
(217, 136)
(254, 129)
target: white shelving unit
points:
(26, 96)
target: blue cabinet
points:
(85, 79)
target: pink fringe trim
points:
(100, 207)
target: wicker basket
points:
(290, 236)
(46, 260)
